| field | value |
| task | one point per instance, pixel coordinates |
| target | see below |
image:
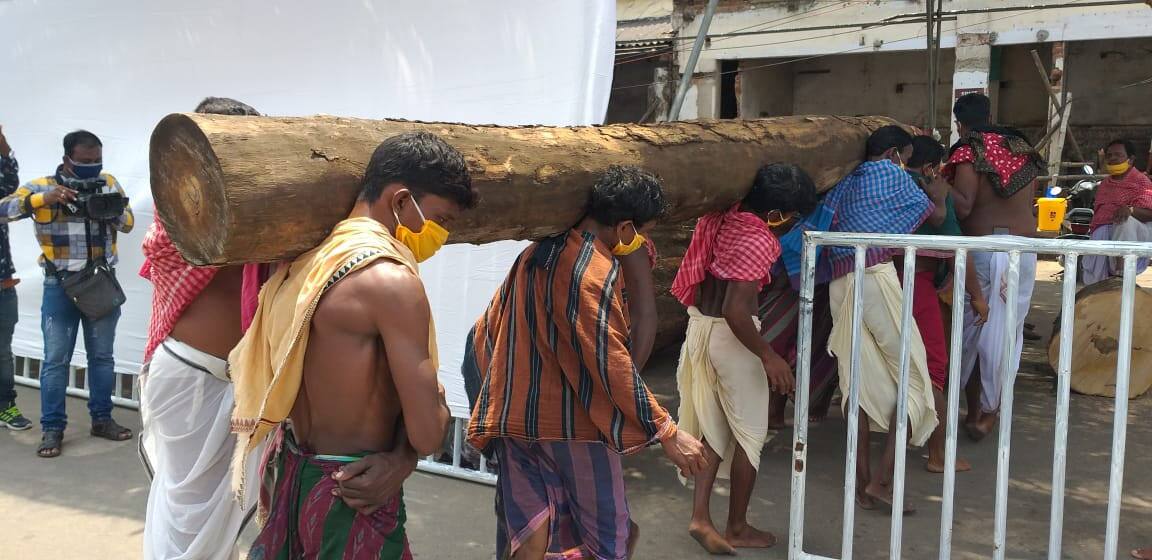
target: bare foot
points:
(937, 466)
(749, 537)
(865, 501)
(981, 429)
(710, 539)
(633, 537)
(1142, 553)
(883, 499)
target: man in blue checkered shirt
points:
(879, 197)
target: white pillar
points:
(703, 97)
(973, 63)
(1056, 83)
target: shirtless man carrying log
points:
(342, 347)
(727, 371)
(186, 396)
(993, 172)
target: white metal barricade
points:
(962, 246)
(127, 391)
(479, 471)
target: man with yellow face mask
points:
(1122, 211)
(339, 365)
(727, 372)
(559, 397)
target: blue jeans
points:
(9, 314)
(60, 320)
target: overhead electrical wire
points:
(793, 18)
(1024, 11)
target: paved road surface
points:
(90, 502)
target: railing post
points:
(907, 326)
(1063, 388)
(800, 419)
(1007, 392)
(850, 459)
(1120, 418)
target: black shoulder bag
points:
(94, 290)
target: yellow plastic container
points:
(1050, 214)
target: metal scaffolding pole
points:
(690, 67)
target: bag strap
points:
(102, 239)
(50, 267)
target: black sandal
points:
(110, 430)
(51, 444)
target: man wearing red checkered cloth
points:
(1123, 210)
(727, 371)
(186, 396)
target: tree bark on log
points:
(231, 190)
(1095, 340)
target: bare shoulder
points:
(384, 278)
(356, 303)
(387, 286)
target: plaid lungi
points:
(307, 522)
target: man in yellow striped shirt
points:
(69, 241)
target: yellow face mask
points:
(423, 243)
(637, 242)
(1117, 169)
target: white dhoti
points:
(186, 406)
(880, 337)
(1097, 268)
(984, 345)
(724, 391)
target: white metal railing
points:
(962, 246)
(127, 395)
(481, 472)
(125, 392)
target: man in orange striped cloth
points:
(560, 398)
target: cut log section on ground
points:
(257, 189)
(1095, 340)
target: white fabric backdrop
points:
(116, 67)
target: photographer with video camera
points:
(77, 213)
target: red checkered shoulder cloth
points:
(734, 246)
(175, 284)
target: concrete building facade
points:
(765, 58)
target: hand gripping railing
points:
(962, 246)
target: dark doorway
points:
(729, 105)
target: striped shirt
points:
(552, 352)
(62, 236)
(878, 197)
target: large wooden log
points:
(259, 189)
(1095, 341)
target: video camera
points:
(93, 204)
